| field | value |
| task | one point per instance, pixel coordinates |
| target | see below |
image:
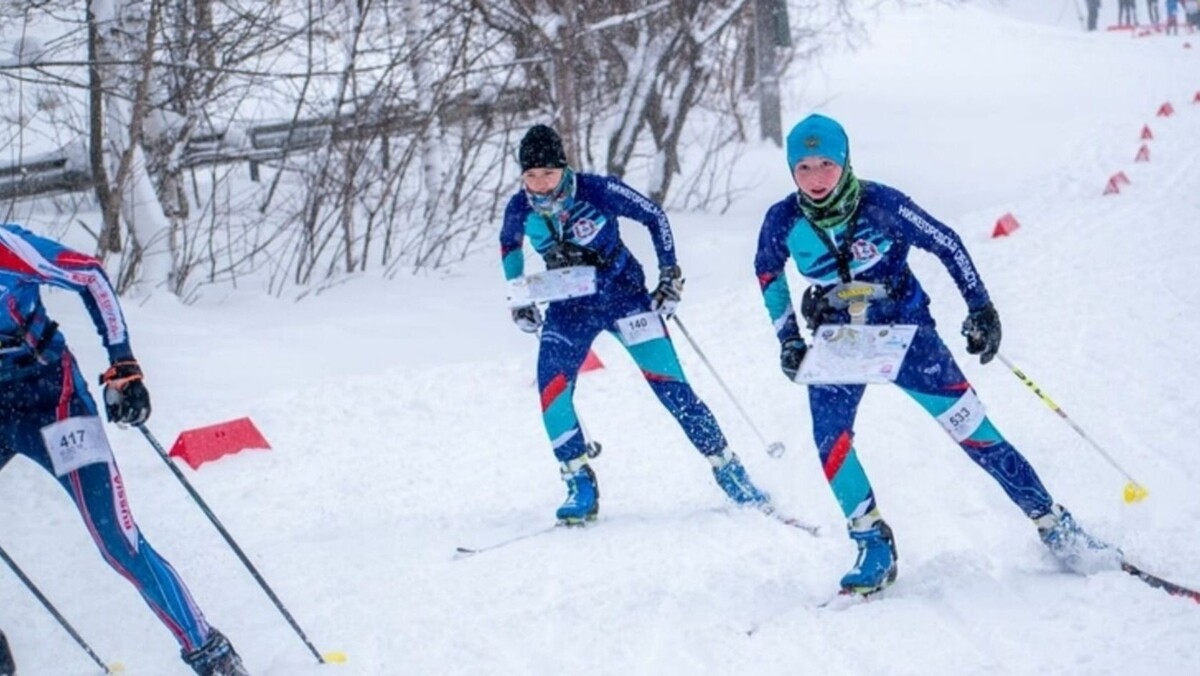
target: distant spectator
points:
(1172, 10)
(1126, 13)
(1152, 12)
(1093, 7)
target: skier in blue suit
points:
(571, 220)
(850, 240)
(47, 415)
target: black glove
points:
(669, 292)
(527, 318)
(815, 308)
(569, 254)
(126, 399)
(982, 329)
(790, 355)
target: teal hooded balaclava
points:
(820, 135)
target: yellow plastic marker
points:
(335, 657)
(1134, 492)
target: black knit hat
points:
(541, 148)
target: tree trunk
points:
(128, 36)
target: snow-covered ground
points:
(404, 422)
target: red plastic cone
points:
(1143, 154)
(1146, 134)
(591, 363)
(1111, 188)
(203, 444)
(1006, 225)
(1166, 110)
(1196, 98)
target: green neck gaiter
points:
(837, 208)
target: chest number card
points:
(75, 443)
(551, 285)
(640, 328)
(847, 354)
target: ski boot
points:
(732, 478)
(875, 568)
(216, 657)
(583, 494)
(1078, 551)
(7, 666)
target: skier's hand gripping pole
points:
(1134, 491)
(775, 449)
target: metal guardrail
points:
(67, 170)
(64, 170)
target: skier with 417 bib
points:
(571, 220)
(47, 415)
(850, 240)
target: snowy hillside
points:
(404, 421)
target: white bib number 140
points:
(75, 443)
(640, 328)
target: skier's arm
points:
(512, 240)
(49, 262)
(770, 263)
(928, 233)
(625, 201)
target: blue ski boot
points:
(876, 565)
(1078, 551)
(216, 657)
(583, 494)
(732, 478)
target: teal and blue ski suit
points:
(884, 228)
(586, 222)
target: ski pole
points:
(1134, 491)
(333, 657)
(53, 611)
(775, 449)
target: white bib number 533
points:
(76, 442)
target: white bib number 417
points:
(76, 442)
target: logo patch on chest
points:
(584, 228)
(864, 250)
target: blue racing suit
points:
(47, 414)
(585, 221)
(882, 230)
